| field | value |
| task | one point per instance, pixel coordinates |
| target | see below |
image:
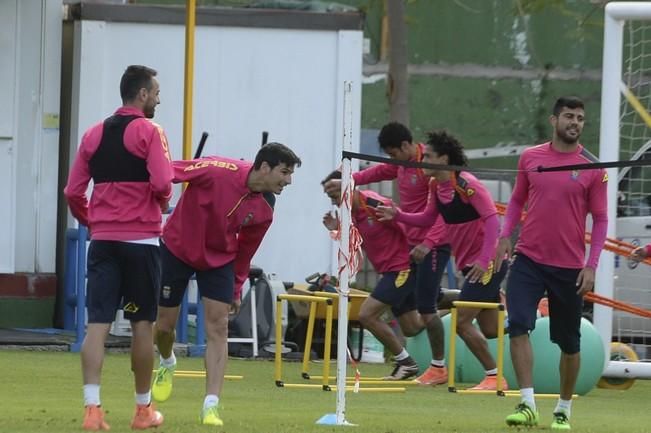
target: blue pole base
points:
(196, 350)
(331, 419)
(75, 347)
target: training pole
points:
(344, 258)
(190, 11)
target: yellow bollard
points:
(500, 343)
(313, 300)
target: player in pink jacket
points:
(127, 158)
(429, 246)
(386, 247)
(550, 254)
(468, 209)
(214, 231)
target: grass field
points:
(41, 392)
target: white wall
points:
(7, 141)
(287, 82)
(30, 62)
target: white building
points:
(255, 70)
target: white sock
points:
(210, 400)
(564, 406)
(143, 399)
(438, 363)
(168, 362)
(91, 395)
(527, 397)
(402, 355)
(492, 372)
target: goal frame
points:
(616, 14)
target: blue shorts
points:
(122, 272)
(397, 290)
(480, 292)
(217, 284)
(429, 273)
(528, 282)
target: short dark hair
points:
(393, 134)
(274, 154)
(570, 102)
(443, 143)
(336, 174)
(134, 78)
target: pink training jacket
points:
(553, 233)
(474, 241)
(385, 242)
(122, 211)
(413, 187)
(218, 219)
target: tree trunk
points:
(398, 79)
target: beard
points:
(149, 112)
(566, 138)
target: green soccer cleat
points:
(162, 387)
(561, 421)
(210, 416)
(524, 415)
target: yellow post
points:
(308, 340)
(326, 348)
(278, 355)
(636, 104)
(500, 349)
(500, 341)
(481, 305)
(279, 337)
(453, 348)
(190, 9)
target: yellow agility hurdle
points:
(500, 344)
(511, 393)
(328, 299)
(201, 374)
(313, 301)
(392, 386)
(314, 313)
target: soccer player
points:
(214, 231)
(127, 158)
(550, 254)
(641, 253)
(468, 209)
(429, 245)
(385, 245)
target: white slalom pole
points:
(609, 151)
(344, 258)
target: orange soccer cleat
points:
(433, 376)
(146, 416)
(94, 419)
(490, 384)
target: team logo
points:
(486, 278)
(167, 291)
(414, 179)
(605, 178)
(470, 192)
(211, 163)
(131, 308)
(248, 218)
(575, 174)
(401, 278)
